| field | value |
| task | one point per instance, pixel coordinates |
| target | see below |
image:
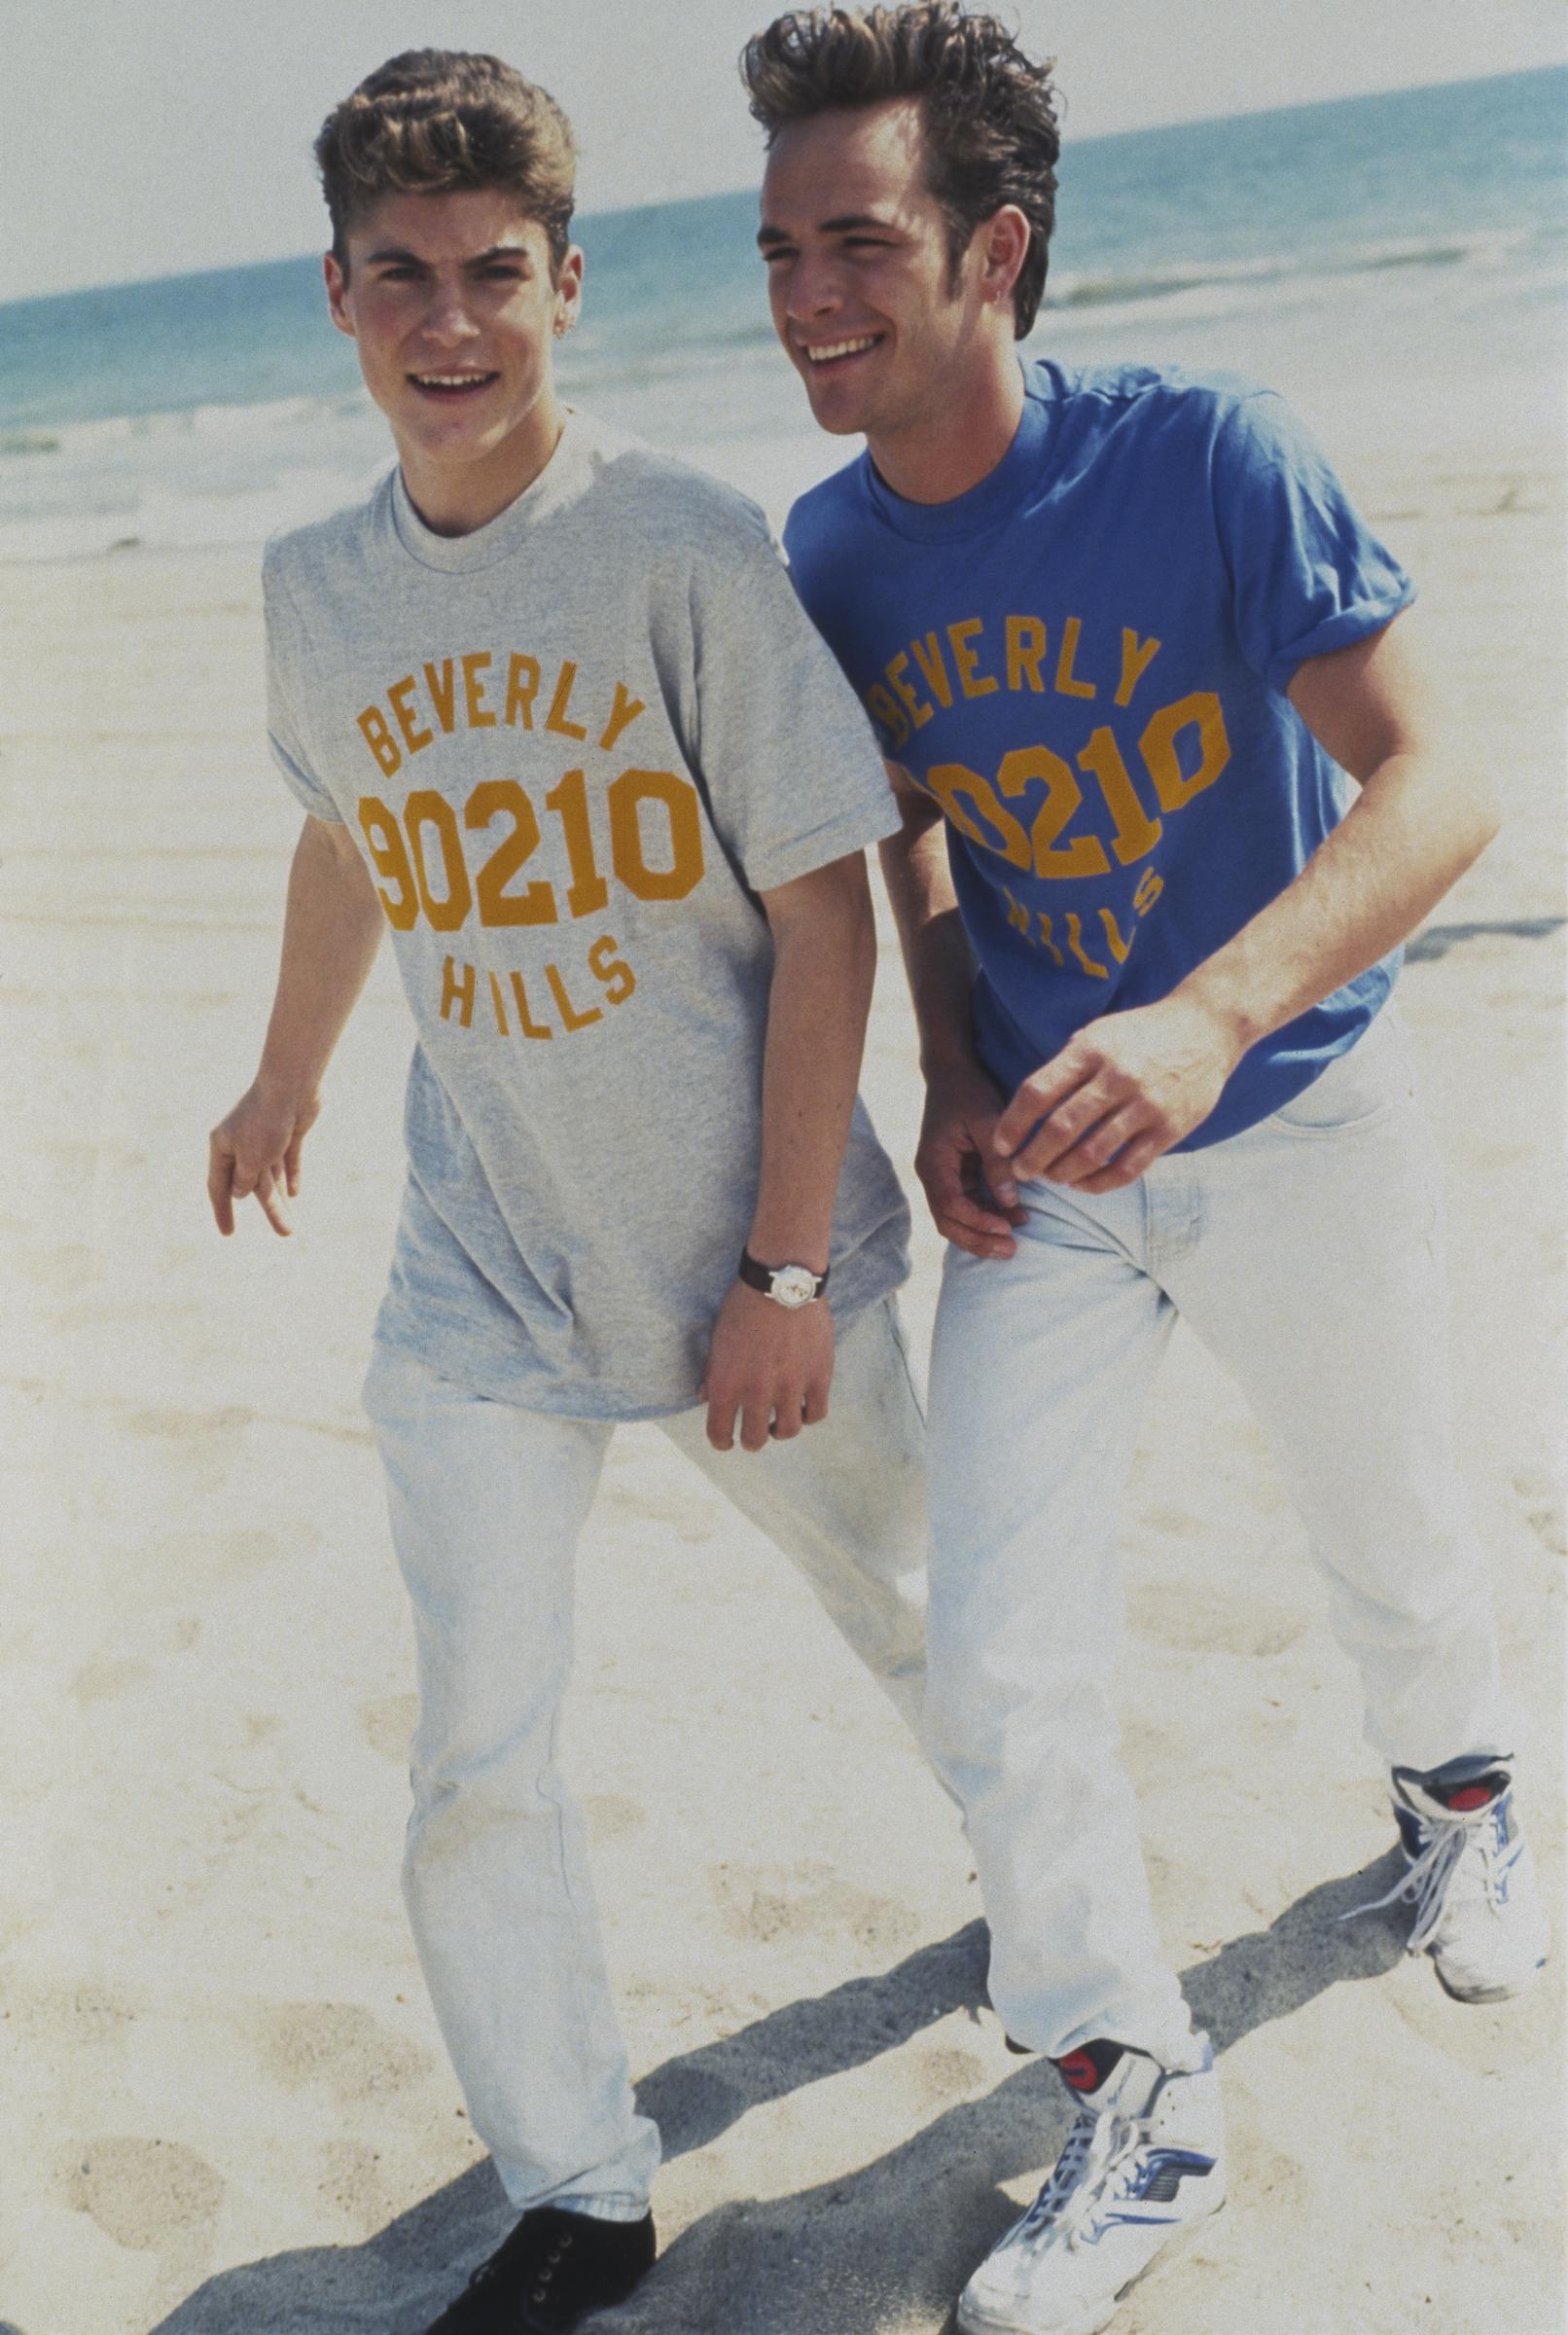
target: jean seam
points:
(896, 1326)
(1367, 1120)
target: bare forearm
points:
(824, 966)
(1406, 839)
(331, 929)
(1132, 1083)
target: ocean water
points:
(1396, 264)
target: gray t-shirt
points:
(572, 747)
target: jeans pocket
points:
(1359, 1088)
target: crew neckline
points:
(994, 498)
(500, 536)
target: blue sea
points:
(1396, 264)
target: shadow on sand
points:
(1437, 939)
(892, 2240)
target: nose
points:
(446, 319)
(815, 289)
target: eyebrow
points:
(397, 252)
(830, 226)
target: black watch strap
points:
(761, 1277)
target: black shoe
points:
(550, 2274)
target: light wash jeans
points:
(486, 1503)
(1307, 1254)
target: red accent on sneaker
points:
(1079, 2072)
(1469, 1796)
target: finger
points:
(1079, 1116)
(953, 1203)
(978, 1244)
(271, 1202)
(220, 1191)
(721, 1422)
(983, 1193)
(1036, 1099)
(996, 1169)
(940, 1169)
(756, 1424)
(975, 1244)
(290, 1164)
(997, 1174)
(1138, 1157)
(1098, 1149)
(814, 1409)
(787, 1419)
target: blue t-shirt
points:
(1084, 660)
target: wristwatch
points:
(788, 1285)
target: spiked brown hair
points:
(991, 117)
(434, 119)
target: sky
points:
(157, 136)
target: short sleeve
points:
(793, 771)
(1307, 575)
(282, 728)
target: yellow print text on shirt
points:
(1026, 810)
(460, 863)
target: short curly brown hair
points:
(991, 114)
(434, 119)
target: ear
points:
(1004, 246)
(568, 291)
(336, 283)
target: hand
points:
(257, 1149)
(770, 1365)
(969, 1185)
(1118, 1094)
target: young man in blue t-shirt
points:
(1124, 637)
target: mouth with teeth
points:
(825, 355)
(451, 387)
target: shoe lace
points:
(1094, 2152)
(1427, 1881)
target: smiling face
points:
(453, 309)
(887, 335)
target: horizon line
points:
(624, 210)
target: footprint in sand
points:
(1541, 1504)
(146, 2195)
(387, 1723)
(67, 1270)
(204, 1445)
(611, 1817)
(1175, 1615)
(339, 2044)
(100, 1681)
(67, 2018)
(185, 1567)
(942, 2074)
(353, 2182)
(766, 1902)
(688, 1511)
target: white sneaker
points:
(1143, 2165)
(1470, 1877)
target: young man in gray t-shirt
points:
(555, 716)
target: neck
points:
(459, 499)
(938, 458)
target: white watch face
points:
(793, 1285)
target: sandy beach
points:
(226, 2107)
